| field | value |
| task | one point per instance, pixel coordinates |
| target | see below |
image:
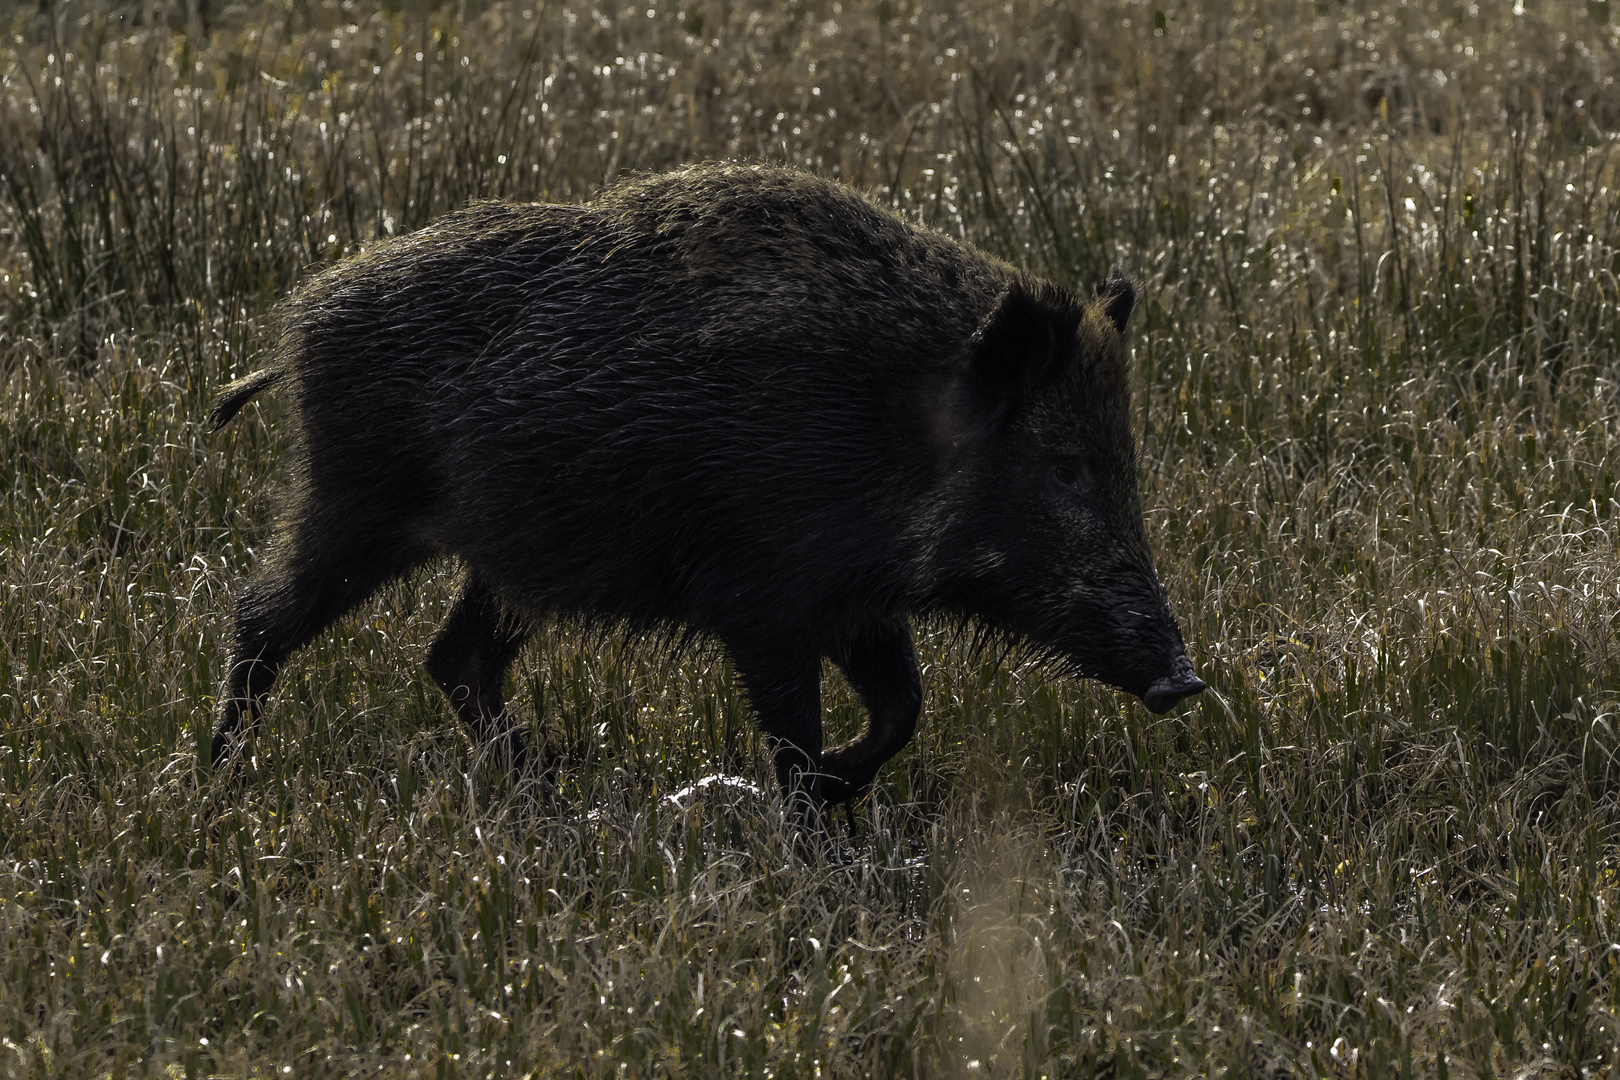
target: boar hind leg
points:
(468, 659)
(306, 584)
(881, 665)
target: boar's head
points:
(1038, 532)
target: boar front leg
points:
(784, 686)
(468, 659)
(881, 665)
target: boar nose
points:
(1162, 696)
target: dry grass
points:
(1380, 405)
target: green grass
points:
(1379, 393)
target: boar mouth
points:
(1148, 658)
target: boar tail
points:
(237, 394)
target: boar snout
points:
(1162, 696)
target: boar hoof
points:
(835, 790)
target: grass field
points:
(1379, 396)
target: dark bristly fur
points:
(738, 402)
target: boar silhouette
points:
(734, 403)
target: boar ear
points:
(1019, 349)
(1117, 296)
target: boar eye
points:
(1071, 476)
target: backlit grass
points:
(1379, 400)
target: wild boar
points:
(740, 404)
